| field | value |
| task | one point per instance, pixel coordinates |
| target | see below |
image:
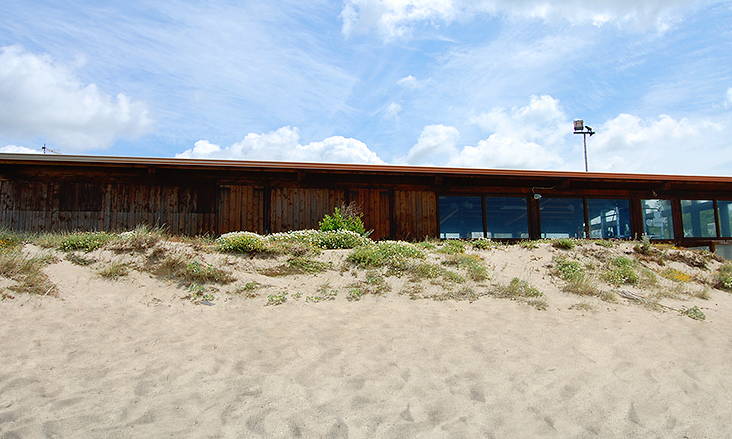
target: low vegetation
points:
(439, 270)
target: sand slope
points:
(131, 359)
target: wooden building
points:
(49, 193)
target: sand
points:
(131, 359)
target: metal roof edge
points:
(367, 168)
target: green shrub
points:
(724, 277)
(473, 264)
(340, 239)
(344, 218)
(568, 269)
(481, 243)
(394, 254)
(86, 241)
(564, 243)
(243, 242)
(622, 272)
(453, 246)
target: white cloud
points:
(283, 145)
(395, 19)
(523, 137)
(14, 149)
(40, 98)
(628, 143)
(413, 83)
(392, 112)
(435, 146)
(728, 98)
(504, 152)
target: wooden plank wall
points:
(240, 208)
(35, 206)
(376, 207)
(302, 208)
(415, 214)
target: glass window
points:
(609, 218)
(507, 217)
(724, 208)
(562, 218)
(461, 217)
(657, 220)
(698, 219)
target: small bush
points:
(724, 277)
(340, 239)
(605, 243)
(622, 272)
(79, 260)
(201, 273)
(276, 299)
(453, 247)
(568, 269)
(26, 272)
(86, 241)
(564, 243)
(139, 239)
(675, 275)
(582, 285)
(528, 244)
(243, 242)
(393, 254)
(114, 271)
(472, 264)
(344, 218)
(694, 313)
(481, 243)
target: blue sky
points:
(484, 83)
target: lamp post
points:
(580, 128)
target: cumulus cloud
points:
(435, 146)
(522, 137)
(41, 98)
(661, 145)
(284, 145)
(395, 19)
(15, 149)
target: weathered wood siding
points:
(376, 207)
(415, 214)
(295, 208)
(36, 206)
(240, 208)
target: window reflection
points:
(698, 218)
(562, 218)
(507, 217)
(461, 217)
(657, 220)
(609, 218)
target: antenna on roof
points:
(45, 148)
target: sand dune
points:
(131, 359)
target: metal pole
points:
(584, 138)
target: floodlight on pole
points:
(581, 128)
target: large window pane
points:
(507, 217)
(562, 218)
(461, 217)
(724, 208)
(609, 218)
(657, 220)
(698, 218)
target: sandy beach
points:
(131, 358)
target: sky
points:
(482, 83)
